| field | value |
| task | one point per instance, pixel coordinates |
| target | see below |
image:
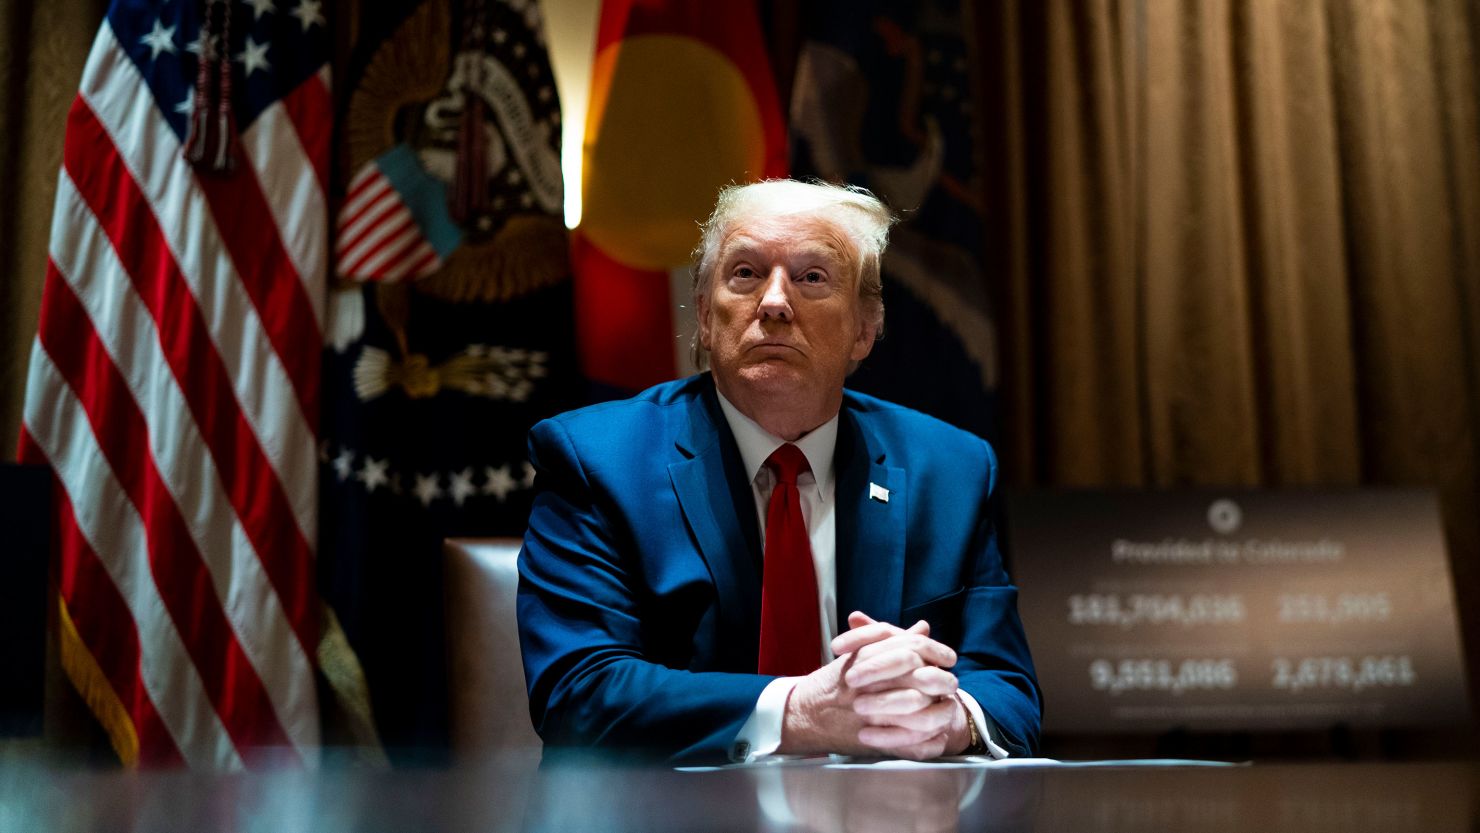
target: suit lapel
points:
(870, 530)
(709, 480)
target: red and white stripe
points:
(289, 149)
(174, 393)
(378, 238)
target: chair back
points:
(490, 706)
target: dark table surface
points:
(514, 795)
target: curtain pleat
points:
(1249, 248)
(42, 49)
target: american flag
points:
(173, 386)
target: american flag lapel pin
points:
(877, 492)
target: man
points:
(692, 549)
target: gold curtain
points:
(42, 49)
(1238, 244)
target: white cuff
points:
(983, 725)
(761, 734)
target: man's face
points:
(783, 316)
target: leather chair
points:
(490, 707)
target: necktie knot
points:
(788, 461)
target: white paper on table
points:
(963, 762)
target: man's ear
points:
(864, 344)
(701, 305)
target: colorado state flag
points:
(682, 103)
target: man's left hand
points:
(908, 699)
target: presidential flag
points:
(174, 381)
(883, 98)
(450, 329)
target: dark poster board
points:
(1252, 611)
(25, 499)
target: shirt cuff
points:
(987, 728)
(761, 734)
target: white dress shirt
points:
(761, 734)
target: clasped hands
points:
(887, 693)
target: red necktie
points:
(791, 633)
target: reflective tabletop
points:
(515, 794)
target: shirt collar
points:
(756, 443)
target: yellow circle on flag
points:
(671, 121)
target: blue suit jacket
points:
(640, 578)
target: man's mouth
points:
(774, 347)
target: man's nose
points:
(774, 302)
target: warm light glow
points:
(570, 28)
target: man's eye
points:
(744, 272)
(814, 277)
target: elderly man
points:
(755, 561)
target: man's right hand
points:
(887, 693)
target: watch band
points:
(977, 746)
